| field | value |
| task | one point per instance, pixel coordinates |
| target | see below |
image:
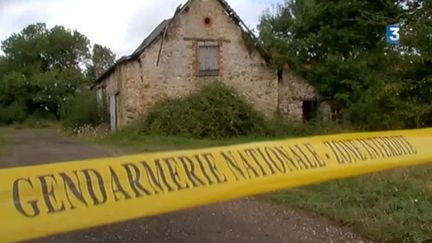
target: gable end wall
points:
(141, 84)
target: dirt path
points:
(246, 220)
(31, 147)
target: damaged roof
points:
(160, 30)
(146, 43)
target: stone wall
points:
(293, 90)
(141, 83)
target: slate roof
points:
(152, 37)
(146, 43)
(161, 28)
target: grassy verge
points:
(131, 140)
(393, 206)
(37, 124)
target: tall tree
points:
(38, 49)
(68, 49)
(26, 51)
(417, 49)
(42, 68)
(340, 47)
(3, 66)
(316, 36)
(102, 59)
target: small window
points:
(208, 58)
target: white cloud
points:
(113, 23)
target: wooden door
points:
(114, 112)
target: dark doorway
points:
(280, 75)
(310, 110)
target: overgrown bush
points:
(14, 113)
(81, 110)
(215, 112)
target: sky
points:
(118, 24)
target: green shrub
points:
(80, 110)
(215, 112)
(12, 114)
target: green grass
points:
(131, 140)
(33, 123)
(392, 206)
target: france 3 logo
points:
(393, 37)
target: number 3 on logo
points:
(393, 36)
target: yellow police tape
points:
(44, 200)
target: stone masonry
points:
(140, 83)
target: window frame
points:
(203, 73)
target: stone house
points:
(204, 41)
